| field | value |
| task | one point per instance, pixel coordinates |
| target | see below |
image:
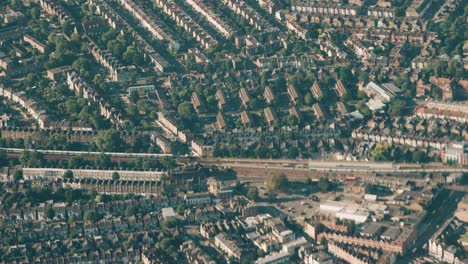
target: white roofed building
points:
(345, 211)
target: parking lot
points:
(299, 202)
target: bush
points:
(68, 174)
(324, 184)
(18, 175)
(277, 182)
(252, 194)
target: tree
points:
(261, 151)
(419, 156)
(168, 163)
(277, 182)
(68, 174)
(238, 188)
(81, 65)
(102, 161)
(99, 198)
(252, 194)
(133, 96)
(381, 152)
(255, 104)
(291, 120)
(131, 56)
(67, 28)
(308, 99)
(49, 212)
(397, 108)
(116, 47)
(115, 176)
(18, 175)
(324, 184)
(75, 162)
(346, 75)
(109, 140)
(166, 243)
(364, 77)
(186, 112)
(181, 209)
(35, 12)
(293, 153)
(464, 179)
(324, 242)
(37, 139)
(16, 3)
(91, 216)
(3, 157)
(131, 210)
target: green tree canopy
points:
(131, 210)
(186, 112)
(381, 152)
(324, 184)
(277, 182)
(397, 108)
(68, 174)
(102, 161)
(49, 212)
(109, 140)
(252, 194)
(92, 216)
(18, 175)
(3, 157)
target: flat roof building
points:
(228, 246)
(345, 211)
(168, 214)
(374, 90)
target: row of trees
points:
(106, 141)
(35, 159)
(260, 150)
(384, 152)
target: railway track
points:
(258, 167)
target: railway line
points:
(64, 154)
(328, 166)
(258, 167)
